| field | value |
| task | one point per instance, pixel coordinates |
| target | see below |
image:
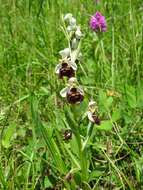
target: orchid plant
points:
(73, 92)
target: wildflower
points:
(73, 93)
(98, 22)
(67, 134)
(66, 68)
(92, 113)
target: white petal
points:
(64, 91)
(67, 16)
(65, 53)
(73, 65)
(89, 114)
(57, 68)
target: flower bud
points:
(65, 53)
(78, 33)
(67, 134)
(72, 81)
(74, 43)
(67, 16)
(71, 28)
(72, 21)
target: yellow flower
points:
(113, 93)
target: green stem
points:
(89, 133)
(104, 60)
(113, 58)
(2, 178)
(83, 152)
(82, 157)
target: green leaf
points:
(74, 146)
(104, 101)
(49, 130)
(140, 96)
(116, 115)
(109, 102)
(44, 90)
(105, 125)
(95, 174)
(47, 183)
(131, 96)
(50, 142)
(8, 134)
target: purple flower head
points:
(98, 23)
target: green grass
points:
(33, 154)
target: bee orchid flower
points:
(73, 93)
(92, 113)
(66, 68)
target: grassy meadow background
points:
(33, 153)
